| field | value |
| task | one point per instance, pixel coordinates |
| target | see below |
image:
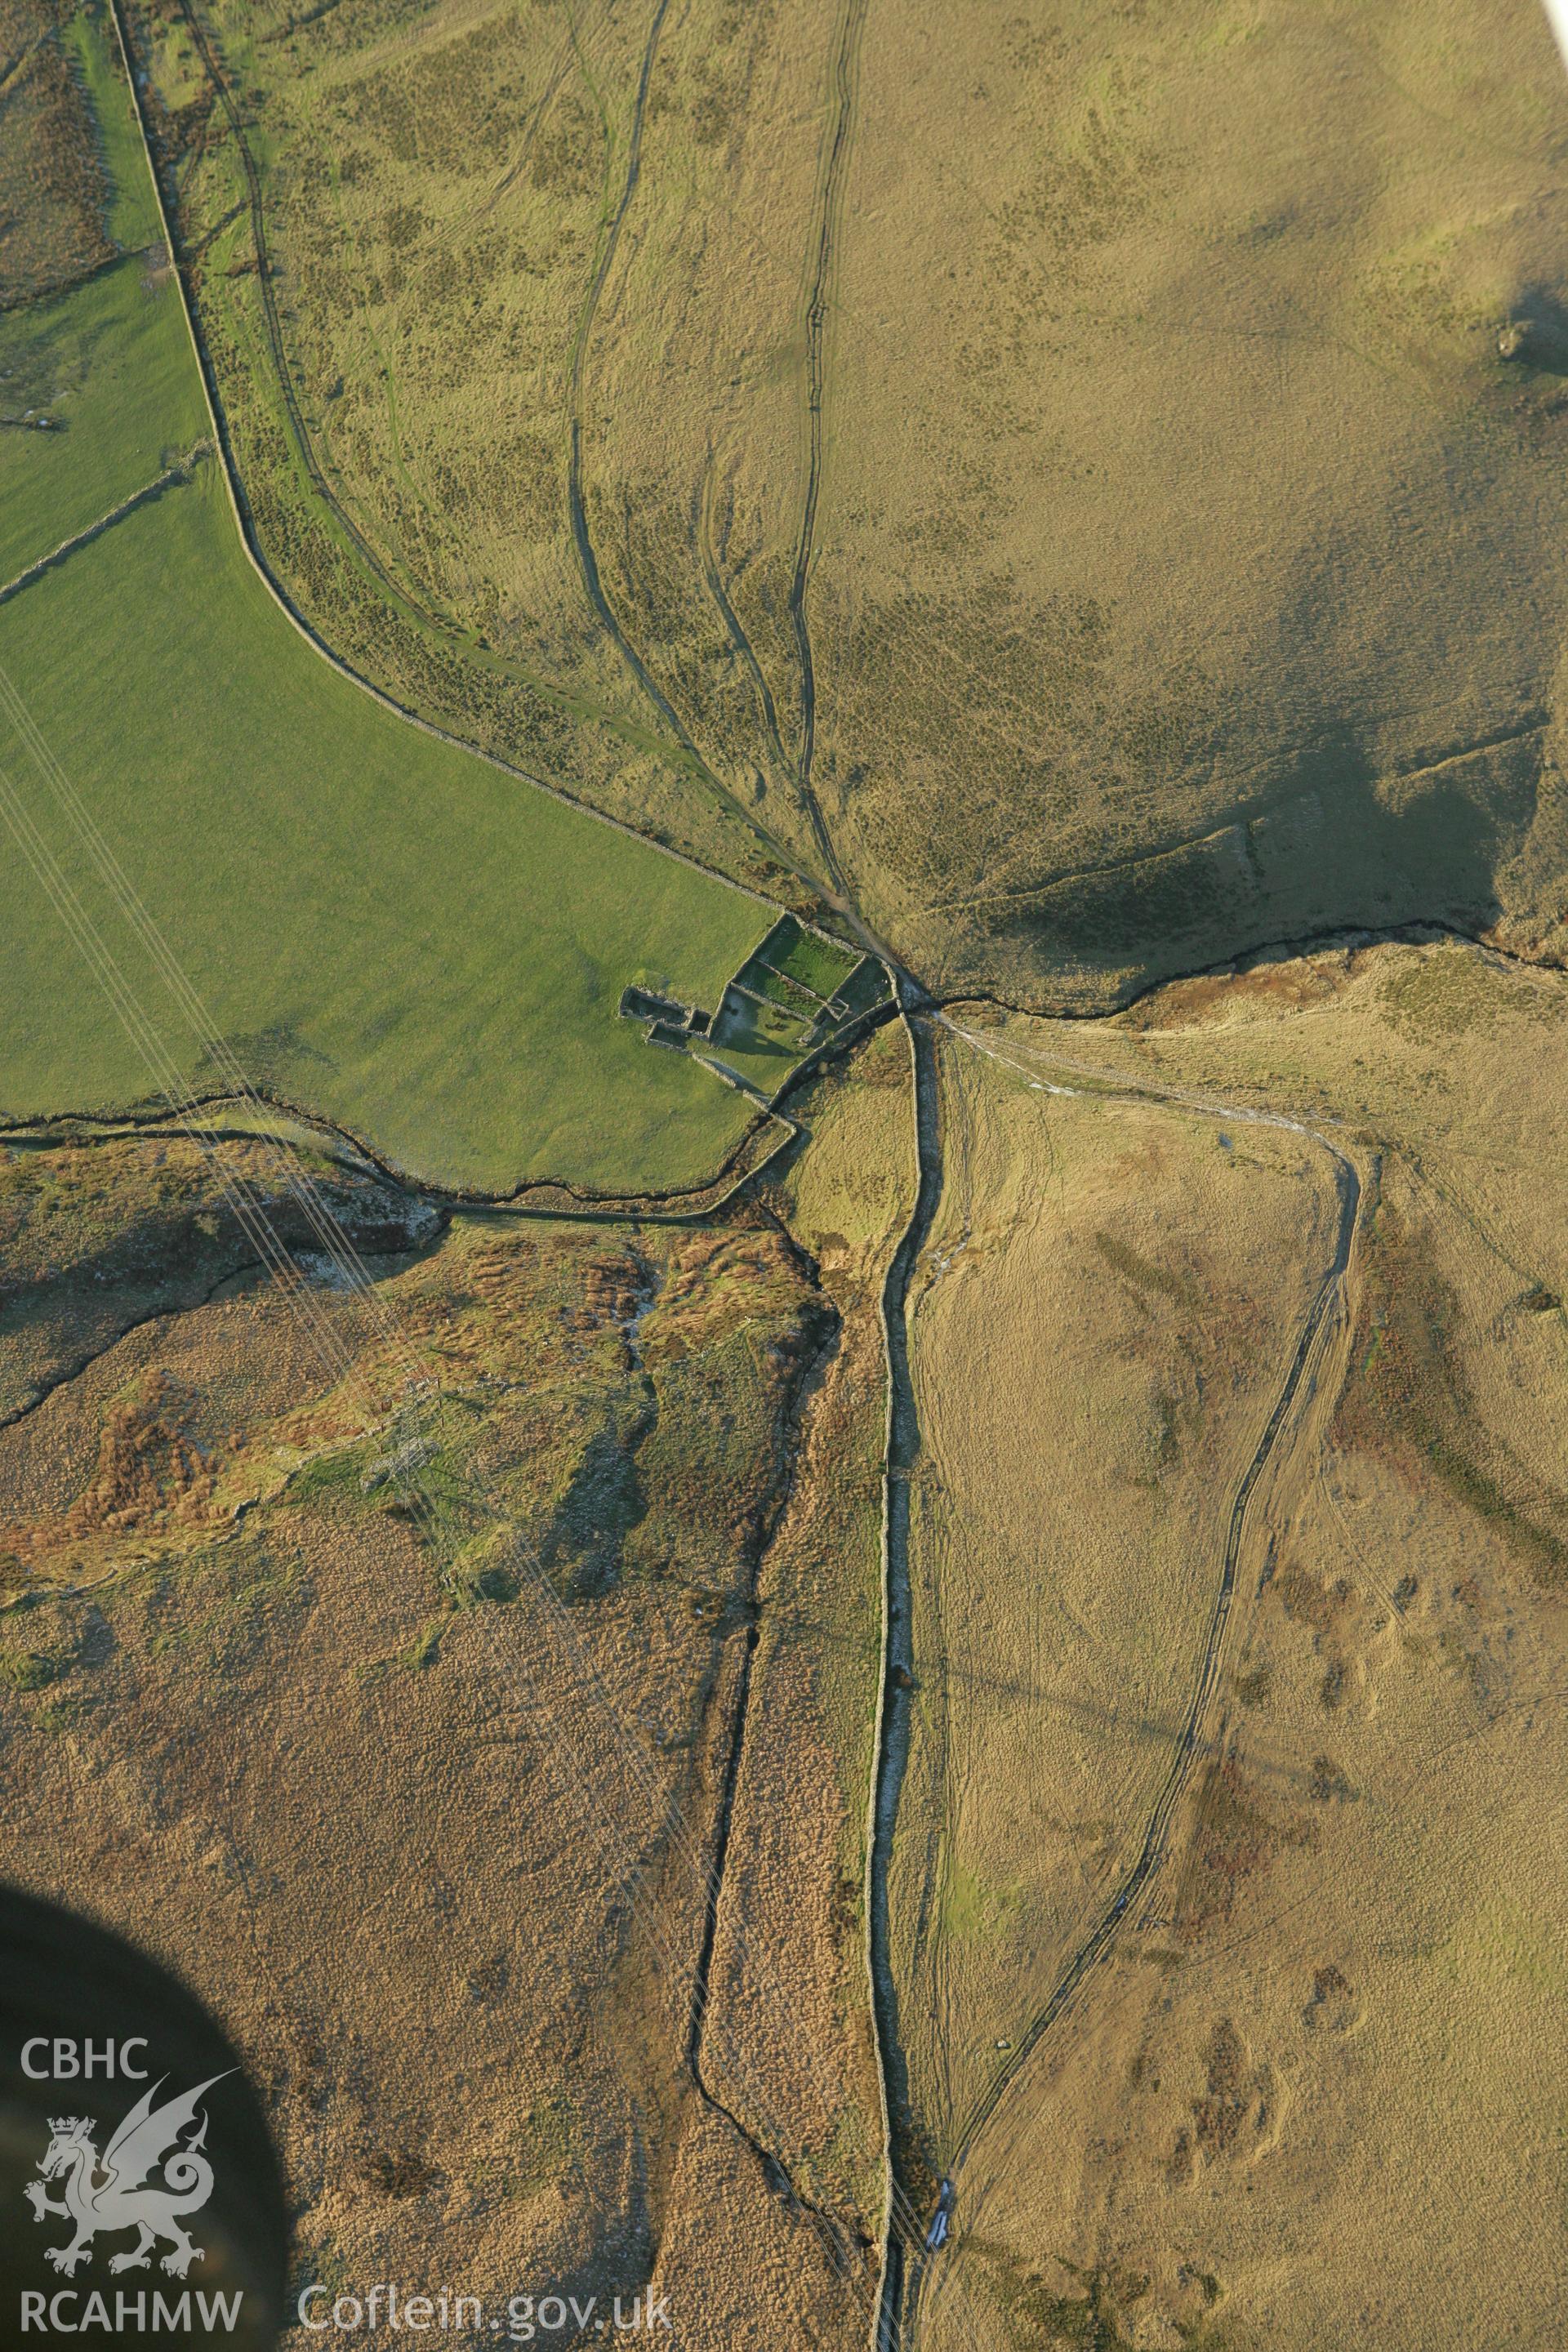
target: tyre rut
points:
(846, 48)
(1189, 1745)
(1098, 1944)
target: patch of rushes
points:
(53, 230)
(1409, 1386)
(381, 558)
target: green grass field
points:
(388, 931)
(109, 364)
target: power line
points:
(419, 1384)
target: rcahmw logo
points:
(152, 2174)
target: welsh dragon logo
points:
(122, 2189)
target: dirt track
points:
(1326, 1325)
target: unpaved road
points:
(1325, 1316)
